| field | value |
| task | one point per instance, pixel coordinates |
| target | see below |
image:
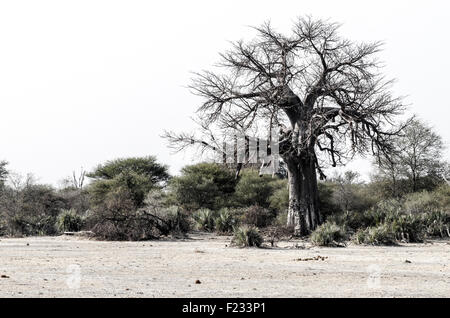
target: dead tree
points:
(78, 181)
(324, 93)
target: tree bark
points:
(303, 214)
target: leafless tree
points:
(324, 93)
(345, 194)
(418, 153)
(389, 168)
(78, 181)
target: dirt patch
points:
(81, 267)
(317, 258)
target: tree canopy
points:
(135, 175)
(204, 185)
(417, 158)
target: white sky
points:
(82, 82)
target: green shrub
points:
(119, 219)
(379, 235)
(204, 185)
(442, 196)
(257, 216)
(279, 200)
(69, 221)
(205, 220)
(115, 218)
(225, 221)
(281, 219)
(30, 209)
(253, 189)
(328, 206)
(355, 220)
(247, 236)
(176, 220)
(406, 227)
(26, 226)
(329, 234)
(135, 175)
(420, 202)
(173, 219)
(437, 224)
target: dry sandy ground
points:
(78, 267)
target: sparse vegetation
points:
(114, 206)
(119, 219)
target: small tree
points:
(344, 193)
(389, 168)
(417, 155)
(421, 152)
(135, 175)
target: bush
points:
(29, 209)
(76, 199)
(437, 224)
(225, 221)
(281, 219)
(173, 218)
(352, 220)
(21, 225)
(379, 235)
(119, 219)
(177, 220)
(247, 236)
(205, 185)
(420, 202)
(257, 216)
(329, 234)
(355, 220)
(205, 220)
(253, 189)
(69, 221)
(279, 200)
(350, 194)
(115, 218)
(327, 204)
(406, 227)
(442, 197)
(135, 175)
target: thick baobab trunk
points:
(303, 212)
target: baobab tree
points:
(325, 94)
